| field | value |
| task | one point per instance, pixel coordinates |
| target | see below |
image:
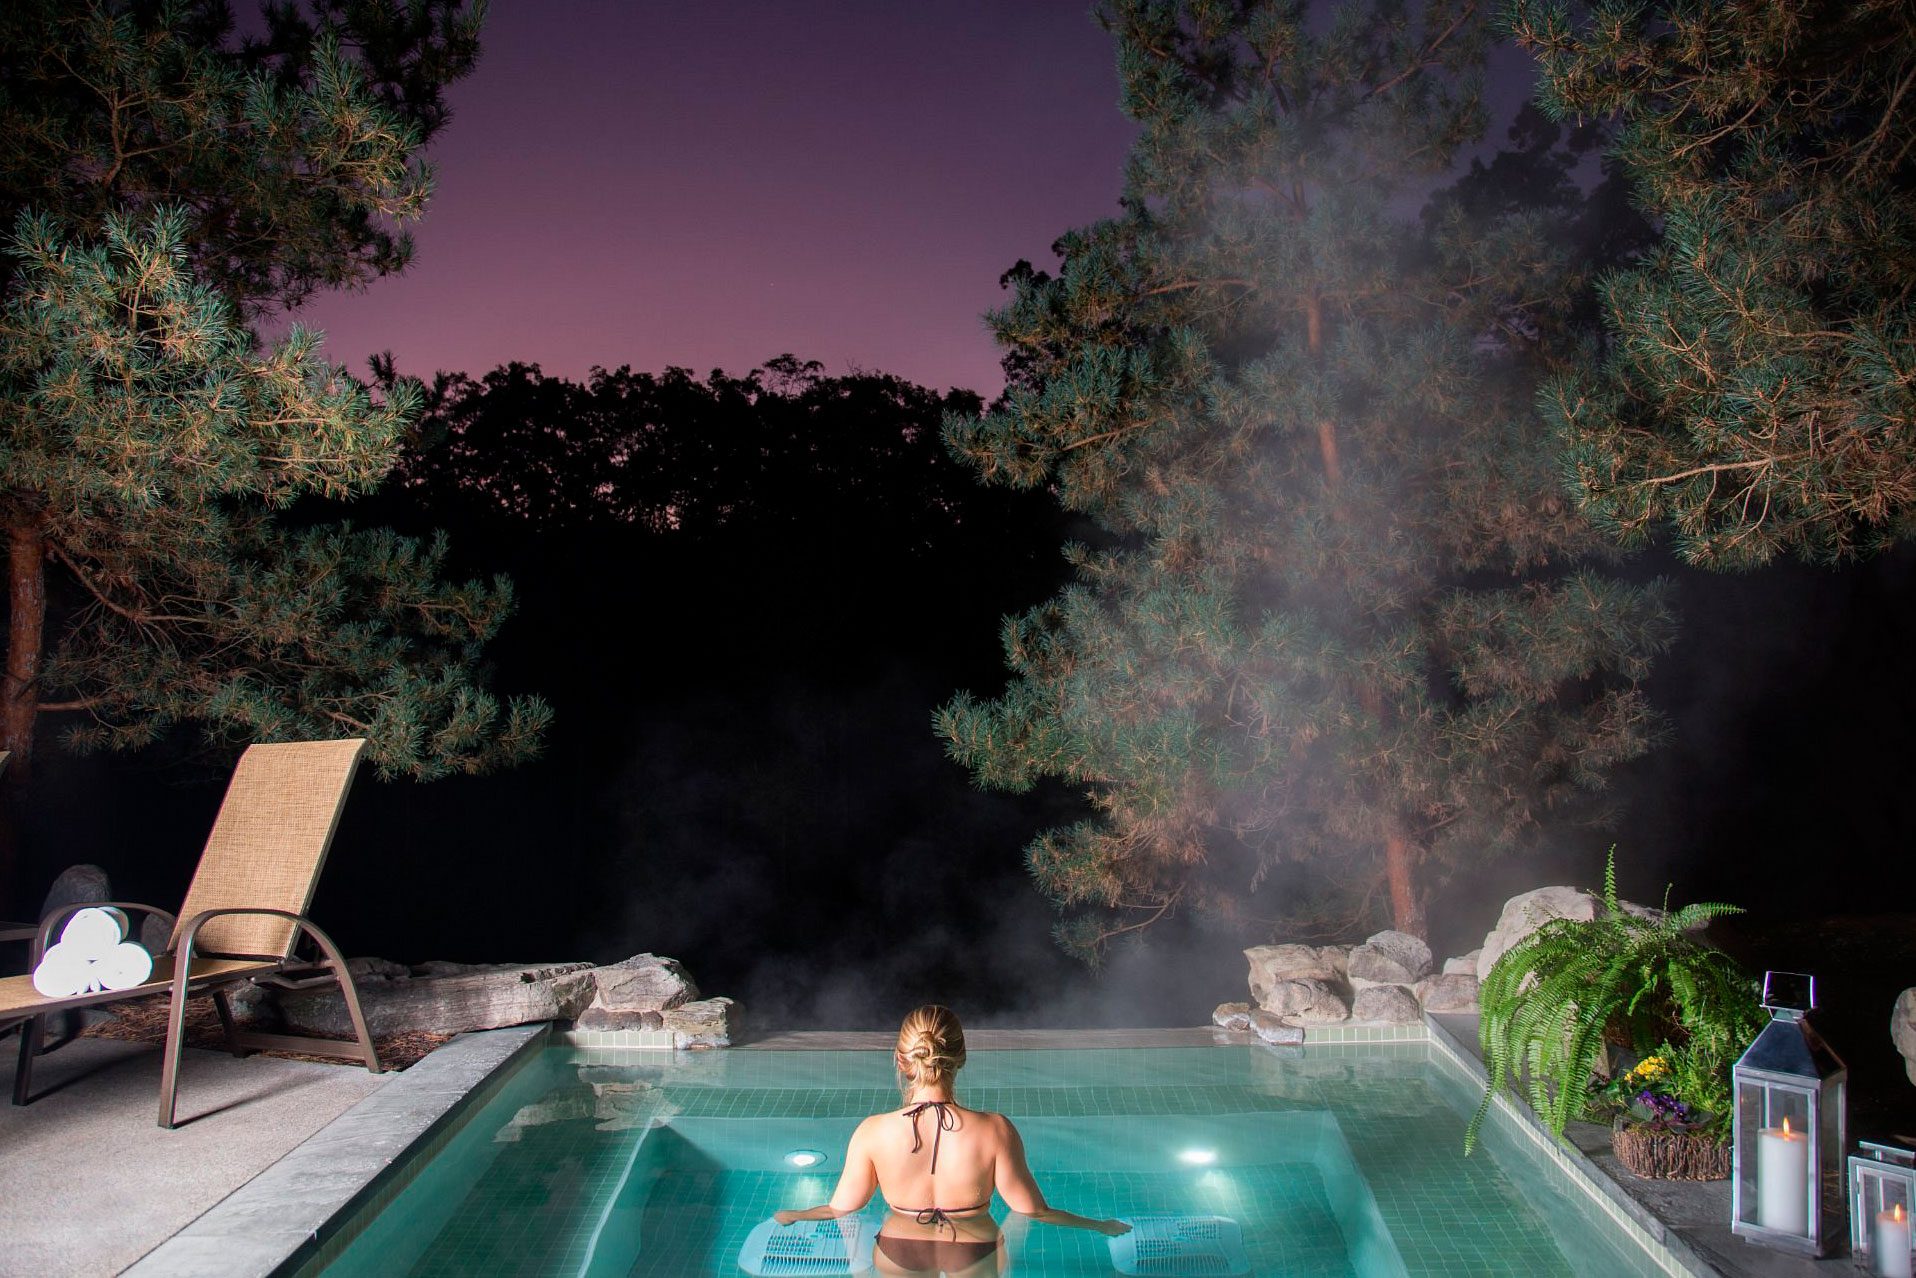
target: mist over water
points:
(800, 843)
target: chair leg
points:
(337, 962)
(227, 1023)
(29, 1048)
(175, 1041)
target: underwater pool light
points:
(1198, 1157)
(804, 1158)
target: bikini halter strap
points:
(947, 1121)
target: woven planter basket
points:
(1660, 1155)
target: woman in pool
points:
(937, 1164)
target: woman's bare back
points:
(935, 1156)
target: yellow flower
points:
(1649, 1069)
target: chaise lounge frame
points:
(243, 918)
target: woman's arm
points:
(856, 1184)
(1019, 1189)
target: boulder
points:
(1272, 965)
(1902, 1030)
(700, 1023)
(76, 885)
(1524, 914)
(1275, 1030)
(471, 998)
(1389, 1004)
(1465, 964)
(1235, 1017)
(252, 1005)
(1389, 958)
(1448, 992)
(631, 990)
(1306, 1000)
(376, 969)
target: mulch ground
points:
(143, 1020)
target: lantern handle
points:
(1773, 1003)
(1897, 1154)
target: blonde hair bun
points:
(931, 1046)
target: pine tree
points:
(1756, 390)
(1337, 634)
(167, 184)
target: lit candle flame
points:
(1898, 1215)
(1786, 1127)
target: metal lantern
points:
(1788, 1143)
(1882, 1191)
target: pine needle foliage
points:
(167, 182)
(1756, 391)
(1334, 632)
(1554, 1002)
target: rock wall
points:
(645, 991)
(1392, 978)
(1387, 980)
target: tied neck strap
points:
(947, 1121)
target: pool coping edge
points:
(278, 1222)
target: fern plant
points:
(1554, 1001)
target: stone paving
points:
(89, 1182)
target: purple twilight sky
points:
(711, 184)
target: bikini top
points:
(947, 1121)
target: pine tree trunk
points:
(26, 623)
(1400, 853)
(20, 691)
(1406, 902)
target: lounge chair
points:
(243, 917)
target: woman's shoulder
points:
(991, 1119)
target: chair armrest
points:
(55, 920)
(191, 931)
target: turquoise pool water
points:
(1332, 1161)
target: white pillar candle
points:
(1782, 1180)
(1889, 1244)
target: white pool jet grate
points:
(1180, 1247)
(808, 1247)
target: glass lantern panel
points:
(1889, 1243)
(1882, 1221)
(1776, 1178)
(1891, 1193)
(1787, 1107)
(1832, 1143)
(1751, 1109)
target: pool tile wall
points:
(1596, 1192)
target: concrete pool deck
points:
(89, 1182)
(90, 1185)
